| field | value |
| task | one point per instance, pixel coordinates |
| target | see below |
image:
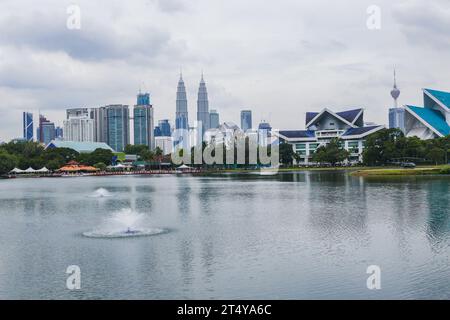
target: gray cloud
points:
(279, 59)
(171, 6)
(95, 41)
(425, 23)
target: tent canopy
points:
(30, 170)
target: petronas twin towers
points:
(181, 117)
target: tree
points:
(54, 165)
(62, 154)
(331, 153)
(383, 146)
(437, 155)
(158, 152)
(286, 153)
(137, 149)
(147, 155)
(101, 166)
(7, 162)
(98, 155)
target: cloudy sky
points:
(279, 58)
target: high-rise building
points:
(214, 120)
(157, 132)
(264, 133)
(246, 120)
(396, 114)
(143, 99)
(143, 121)
(28, 126)
(59, 133)
(46, 130)
(79, 126)
(118, 129)
(77, 112)
(397, 118)
(203, 106)
(99, 115)
(181, 116)
(164, 126)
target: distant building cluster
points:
(110, 125)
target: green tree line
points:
(31, 154)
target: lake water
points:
(291, 236)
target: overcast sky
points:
(278, 58)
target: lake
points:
(291, 236)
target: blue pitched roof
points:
(349, 115)
(310, 116)
(297, 133)
(433, 117)
(358, 131)
(443, 97)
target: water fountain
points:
(101, 193)
(125, 223)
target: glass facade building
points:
(203, 106)
(164, 126)
(28, 126)
(157, 132)
(59, 133)
(246, 120)
(181, 115)
(397, 118)
(143, 126)
(214, 120)
(118, 126)
(143, 99)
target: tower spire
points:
(395, 92)
(395, 79)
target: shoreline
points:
(352, 171)
(390, 172)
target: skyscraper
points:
(246, 120)
(28, 126)
(118, 129)
(46, 130)
(396, 114)
(59, 133)
(164, 126)
(157, 132)
(181, 116)
(264, 133)
(143, 121)
(143, 99)
(99, 115)
(214, 120)
(79, 126)
(203, 106)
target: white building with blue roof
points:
(432, 120)
(325, 125)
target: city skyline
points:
(341, 67)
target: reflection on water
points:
(302, 235)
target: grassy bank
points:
(290, 169)
(429, 170)
(356, 171)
